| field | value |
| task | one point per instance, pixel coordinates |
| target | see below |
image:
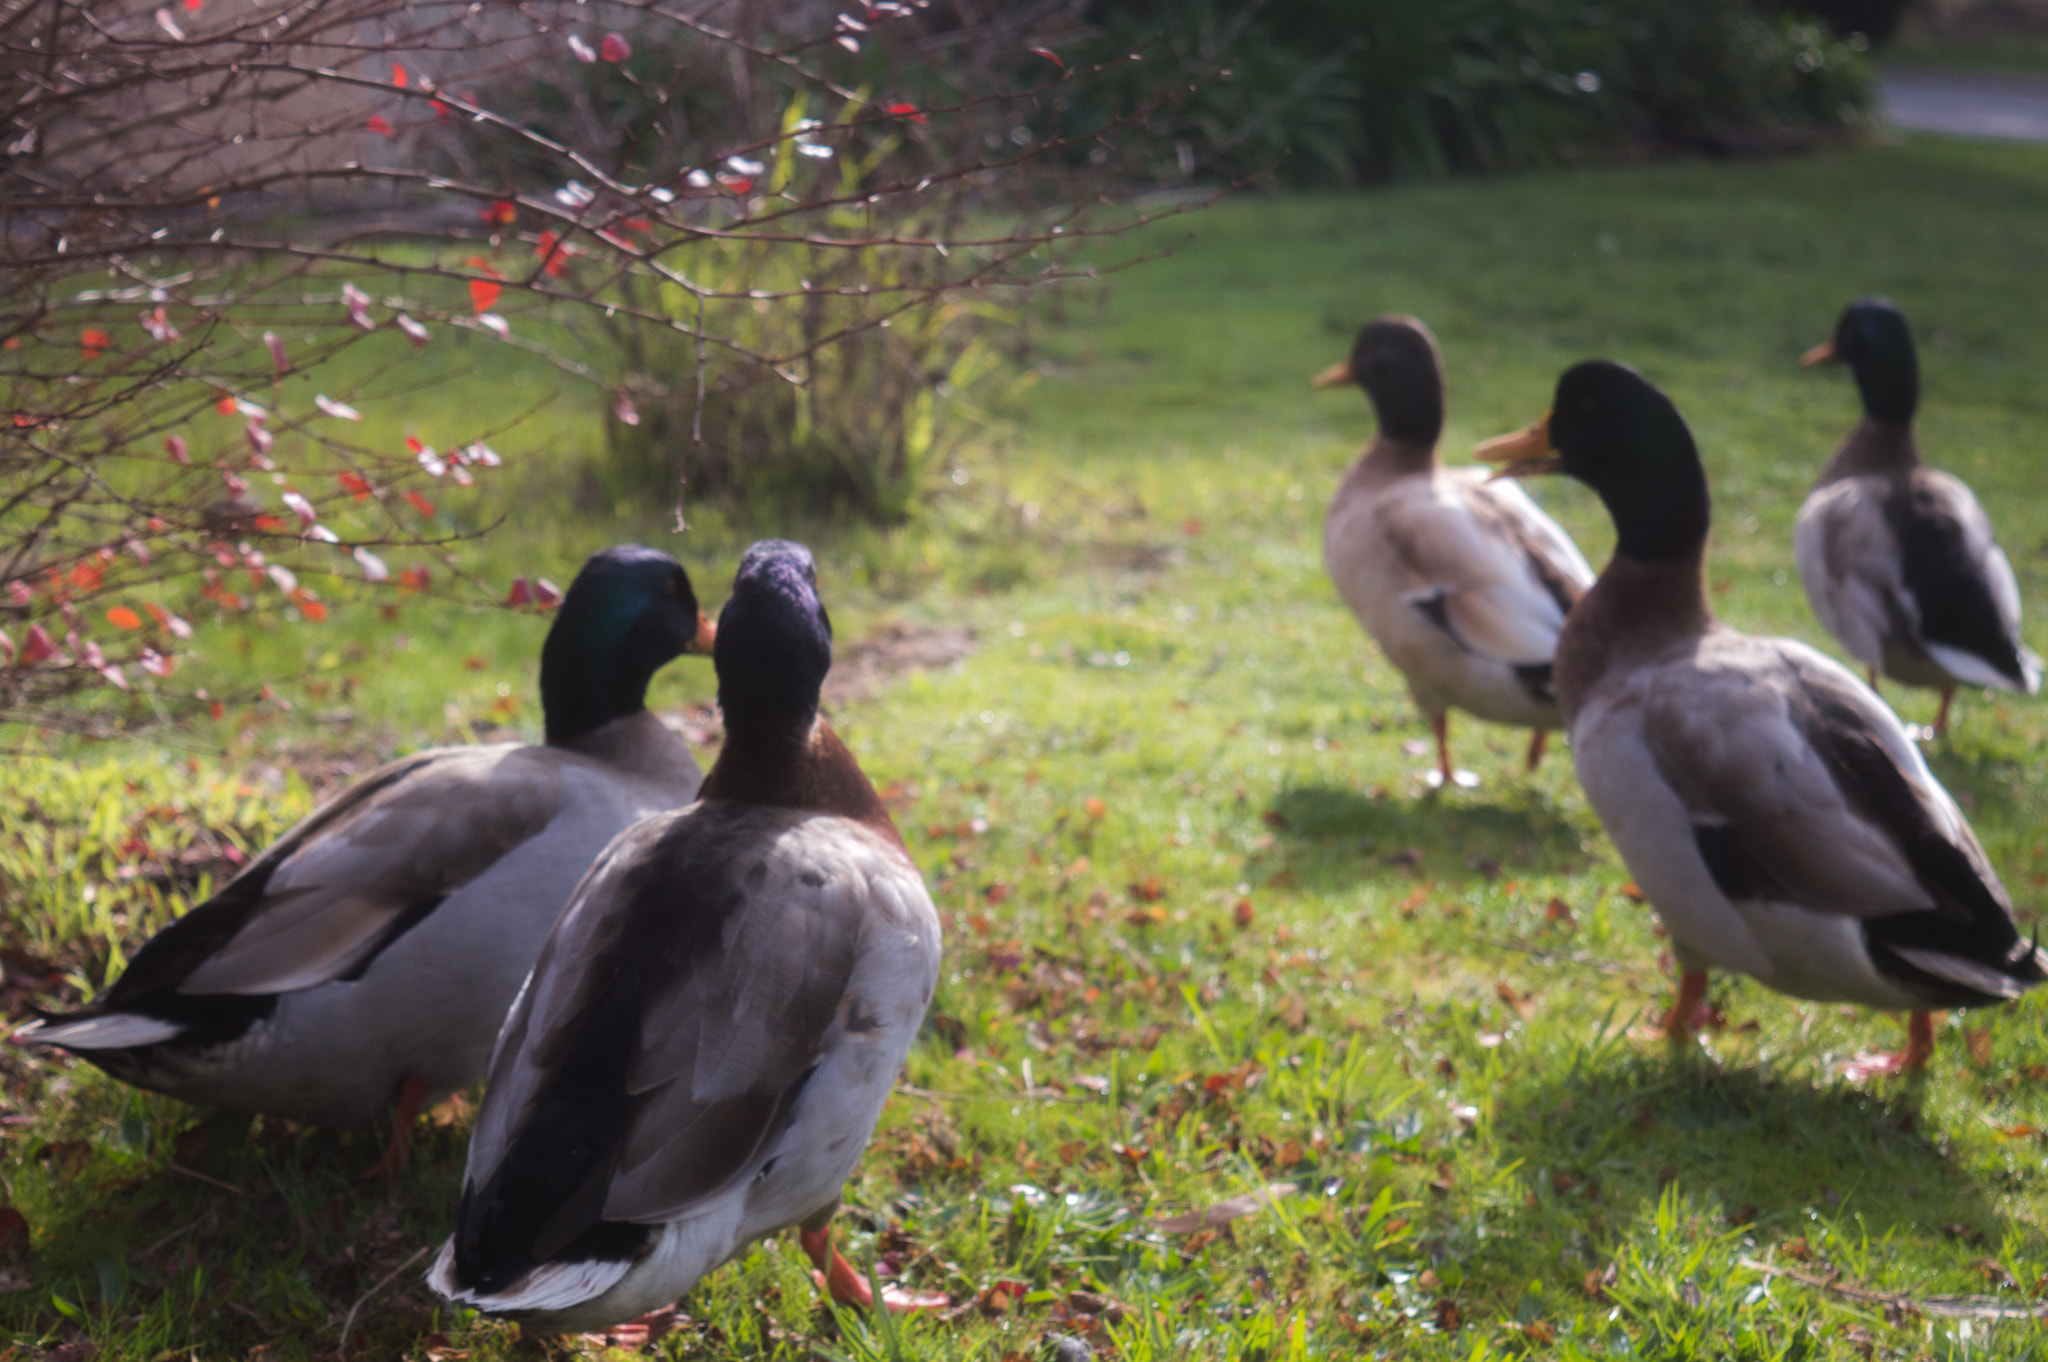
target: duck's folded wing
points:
(1964, 596)
(1803, 787)
(1849, 564)
(322, 901)
(670, 1027)
(1502, 575)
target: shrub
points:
(234, 237)
(1386, 88)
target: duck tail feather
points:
(1989, 980)
(105, 1031)
(549, 1288)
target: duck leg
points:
(1440, 724)
(1873, 677)
(1948, 693)
(1919, 1049)
(848, 1287)
(405, 1109)
(1688, 1011)
(1537, 741)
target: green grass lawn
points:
(1206, 932)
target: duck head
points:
(628, 613)
(1872, 338)
(774, 641)
(1615, 431)
(1396, 361)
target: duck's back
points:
(705, 1041)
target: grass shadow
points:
(1775, 1150)
(1331, 830)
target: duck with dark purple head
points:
(711, 1031)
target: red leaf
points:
(907, 111)
(440, 109)
(355, 483)
(36, 646)
(87, 578)
(1048, 54)
(483, 293)
(420, 503)
(398, 77)
(414, 444)
(217, 710)
(553, 253)
(502, 213)
(193, 5)
(614, 48)
(121, 617)
(94, 342)
(225, 405)
(519, 595)
(546, 594)
(381, 126)
(309, 607)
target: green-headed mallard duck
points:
(1775, 812)
(1463, 583)
(1896, 557)
(708, 1037)
(369, 956)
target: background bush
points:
(1343, 91)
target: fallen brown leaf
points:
(1223, 1212)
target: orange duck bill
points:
(1523, 454)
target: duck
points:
(712, 1028)
(1897, 558)
(358, 970)
(1774, 811)
(1463, 582)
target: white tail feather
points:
(114, 1031)
(550, 1287)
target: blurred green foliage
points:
(1342, 91)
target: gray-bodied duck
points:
(1463, 582)
(1776, 813)
(1897, 558)
(365, 961)
(710, 1033)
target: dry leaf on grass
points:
(1223, 1212)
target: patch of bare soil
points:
(867, 667)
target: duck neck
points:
(638, 743)
(1387, 460)
(796, 763)
(582, 691)
(1873, 448)
(1638, 609)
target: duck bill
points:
(1336, 376)
(1824, 353)
(1523, 454)
(707, 635)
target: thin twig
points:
(1897, 1302)
(386, 1280)
(177, 1167)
